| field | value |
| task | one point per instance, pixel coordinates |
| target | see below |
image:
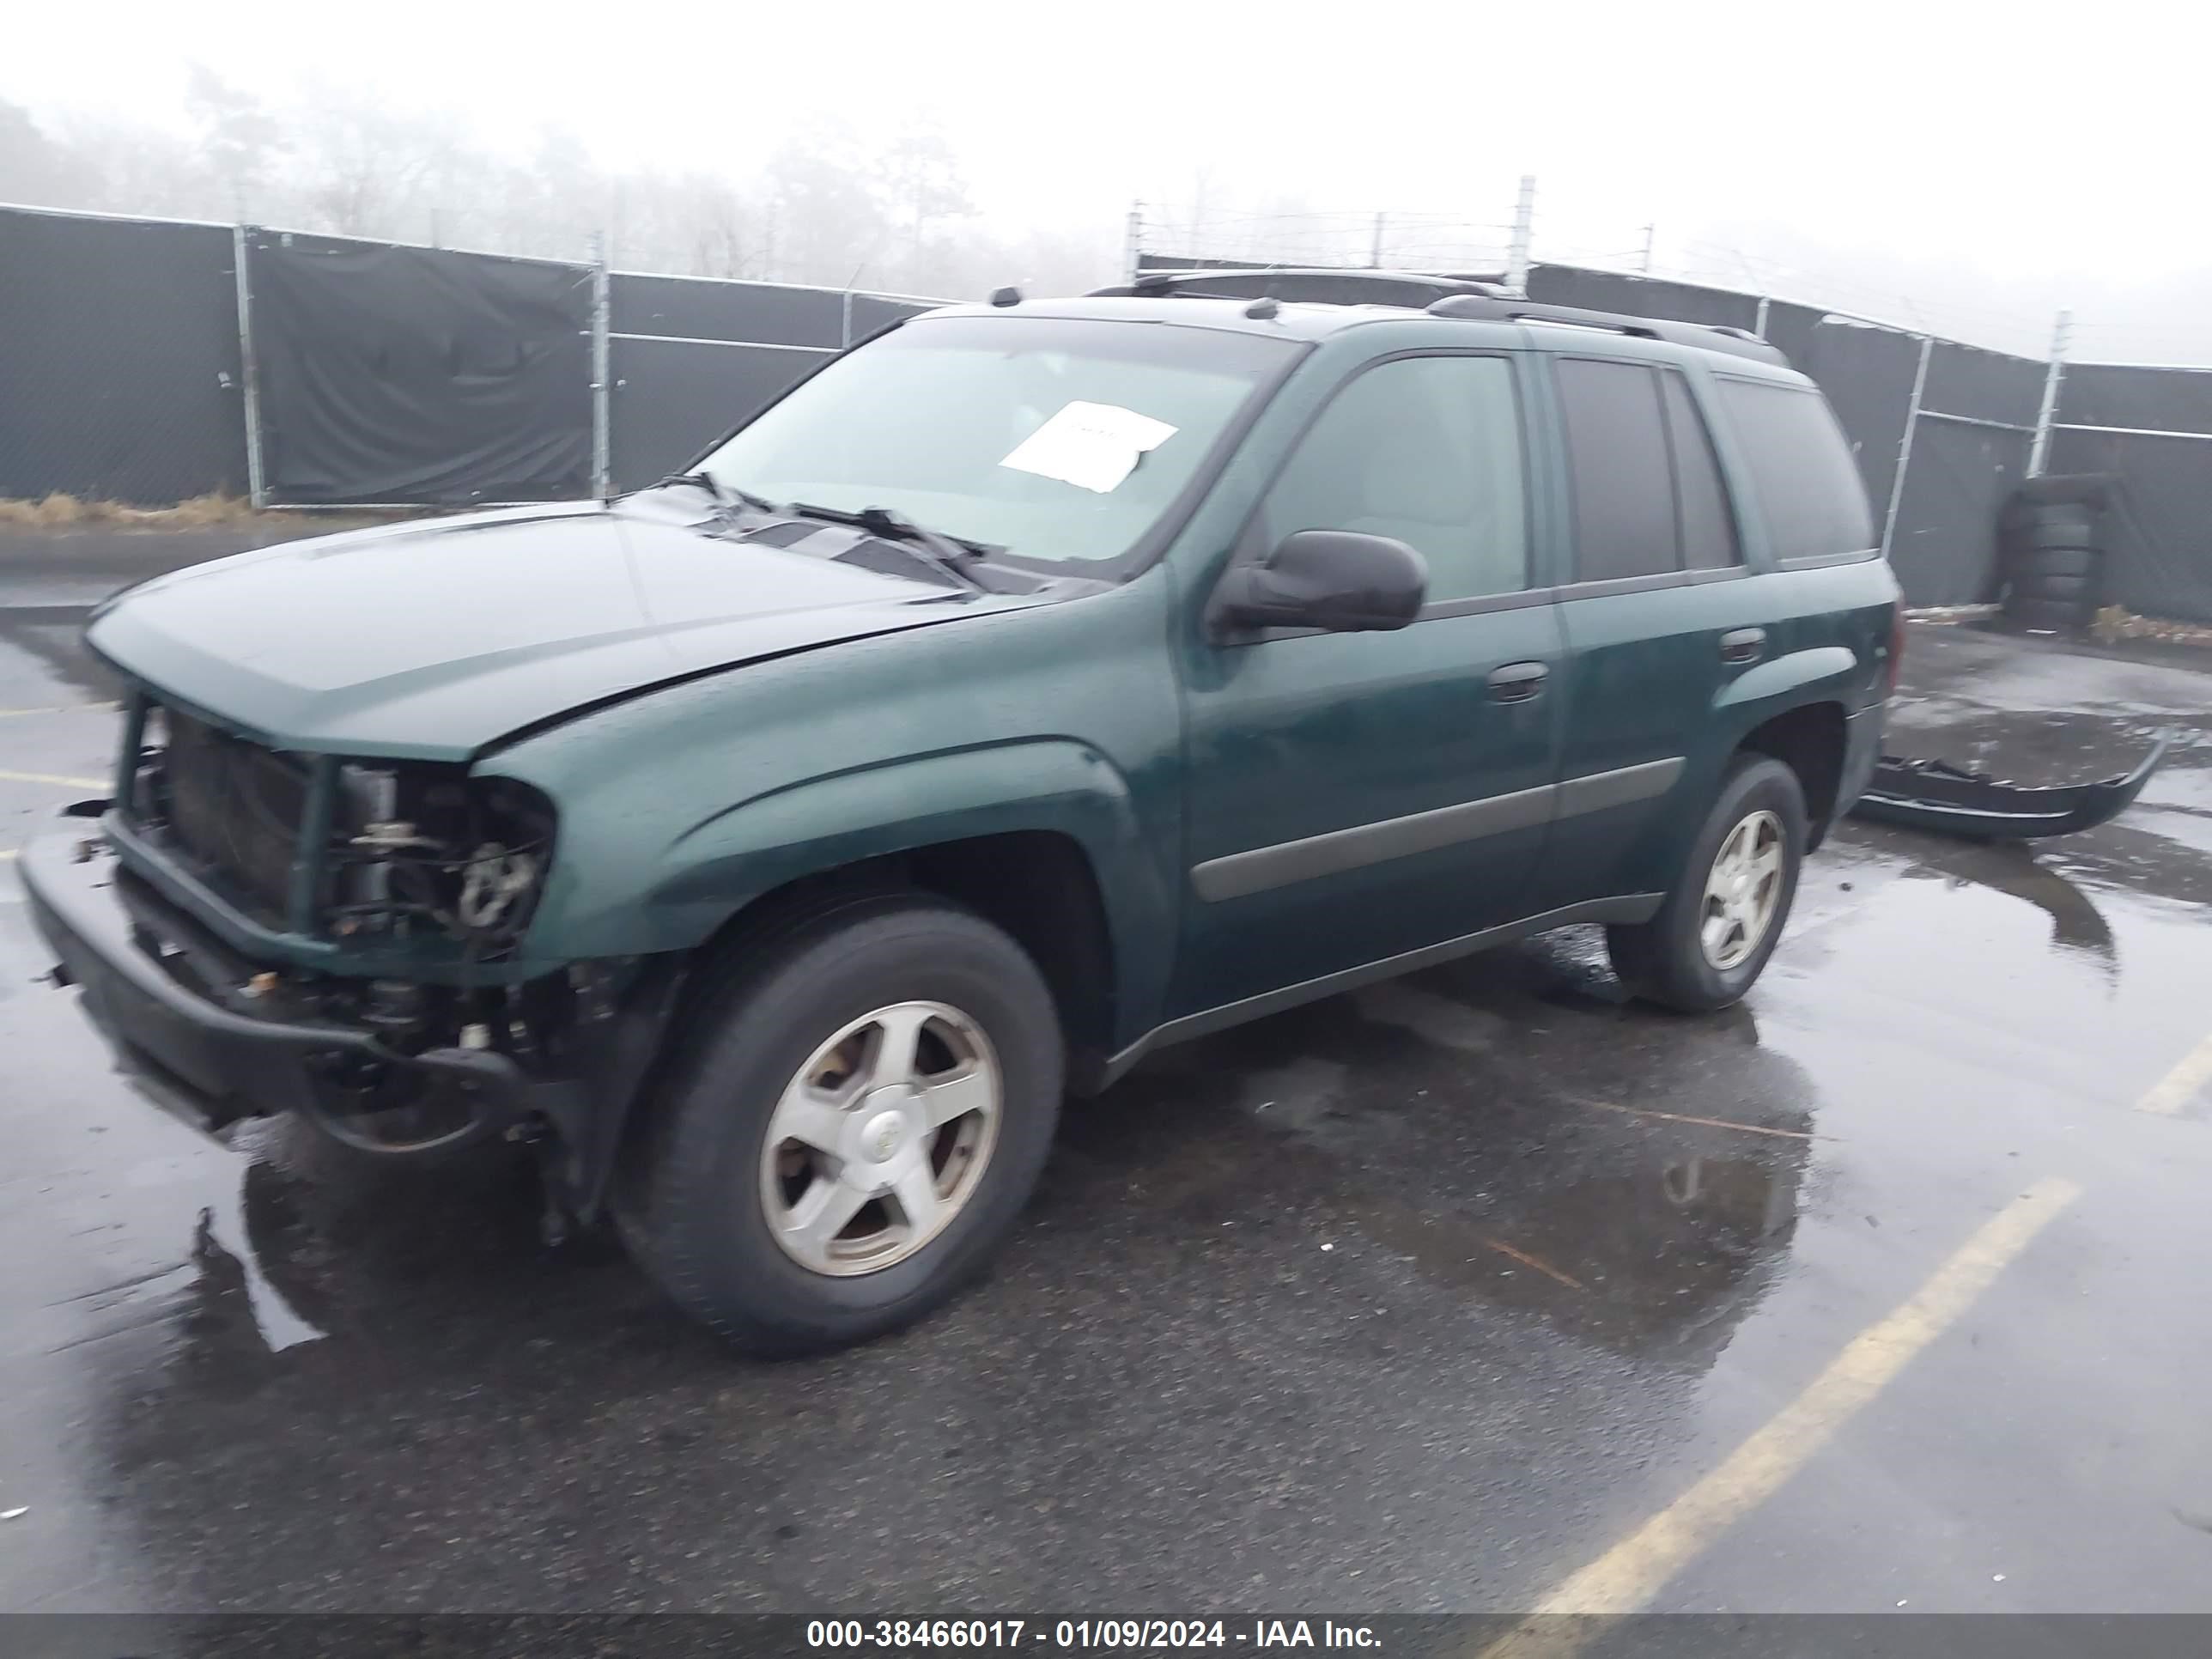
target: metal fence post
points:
(1759, 323)
(2038, 450)
(1132, 246)
(602, 407)
(249, 376)
(1375, 245)
(1524, 220)
(1905, 444)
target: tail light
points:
(1896, 649)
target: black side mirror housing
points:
(1337, 580)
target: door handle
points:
(1517, 682)
(1743, 645)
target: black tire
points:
(2059, 590)
(2090, 490)
(2074, 530)
(2056, 561)
(689, 1203)
(401, 1122)
(2046, 615)
(1663, 960)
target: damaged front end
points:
(259, 931)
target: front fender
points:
(713, 869)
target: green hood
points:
(434, 640)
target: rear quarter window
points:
(1804, 482)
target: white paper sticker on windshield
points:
(1094, 446)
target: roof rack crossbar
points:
(1467, 297)
(1282, 282)
(1710, 337)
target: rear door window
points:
(1623, 488)
(1807, 484)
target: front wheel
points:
(1722, 921)
(858, 1118)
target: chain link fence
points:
(147, 362)
(154, 361)
(120, 372)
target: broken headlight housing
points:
(420, 850)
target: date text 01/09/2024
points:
(1085, 1633)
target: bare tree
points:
(824, 208)
(34, 170)
(826, 220)
(240, 142)
(922, 189)
(369, 170)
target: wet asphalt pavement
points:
(1416, 1299)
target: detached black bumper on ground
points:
(1950, 800)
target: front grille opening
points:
(232, 807)
(416, 850)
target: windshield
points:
(1055, 439)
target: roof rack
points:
(1708, 336)
(1473, 298)
(1316, 284)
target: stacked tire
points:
(2051, 552)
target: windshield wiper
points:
(951, 554)
(726, 495)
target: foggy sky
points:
(1959, 166)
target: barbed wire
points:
(1417, 238)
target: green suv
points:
(1034, 685)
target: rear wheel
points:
(853, 1129)
(1713, 935)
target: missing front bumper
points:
(178, 1008)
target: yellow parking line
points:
(59, 779)
(59, 709)
(2174, 1092)
(1628, 1575)
(7, 852)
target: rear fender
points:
(1824, 674)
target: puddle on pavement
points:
(1656, 1259)
(2077, 925)
(43, 661)
(1490, 1155)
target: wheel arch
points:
(1809, 739)
(1793, 708)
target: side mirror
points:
(1336, 579)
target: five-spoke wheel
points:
(860, 1109)
(880, 1138)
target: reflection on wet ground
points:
(1412, 1300)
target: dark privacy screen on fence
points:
(118, 360)
(692, 357)
(416, 376)
(422, 377)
